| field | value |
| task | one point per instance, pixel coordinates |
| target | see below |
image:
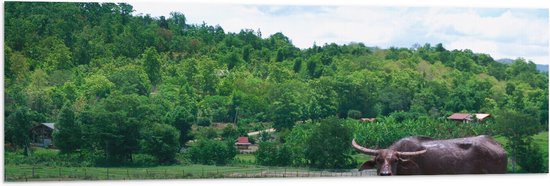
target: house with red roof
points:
(466, 117)
(242, 143)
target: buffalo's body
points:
(472, 155)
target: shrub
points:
(355, 114)
(267, 154)
(530, 159)
(161, 141)
(204, 121)
(144, 160)
(210, 152)
(206, 132)
(230, 133)
(329, 147)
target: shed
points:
(41, 135)
(242, 143)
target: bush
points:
(355, 114)
(205, 132)
(210, 152)
(204, 121)
(531, 160)
(329, 147)
(267, 154)
(230, 133)
(49, 157)
(144, 160)
(161, 141)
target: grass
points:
(248, 158)
(30, 173)
(245, 167)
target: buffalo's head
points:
(386, 160)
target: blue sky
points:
(500, 32)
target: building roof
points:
(242, 141)
(49, 125)
(459, 116)
(368, 119)
(468, 117)
(481, 117)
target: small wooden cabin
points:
(41, 135)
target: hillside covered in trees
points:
(118, 84)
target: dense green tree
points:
(113, 125)
(181, 119)
(161, 141)
(98, 86)
(19, 124)
(68, 134)
(123, 72)
(286, 107)
(329, 147)
(212, 152)
(230, 133)
(273, 154)
(152, 65)
(518, 128)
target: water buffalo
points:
(427, 156)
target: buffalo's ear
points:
(368, 165)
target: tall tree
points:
(152, 65)
(20, 122)
(517, 128)
(329, 146)
(68, 134)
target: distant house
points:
(41, 135)
(465, 117)
(242, 143)
(370, 120)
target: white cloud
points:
(501, 33)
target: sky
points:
(502, 32)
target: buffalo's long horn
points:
(411, 153)
(363, 149)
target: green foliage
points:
(273, 154)
(123, 73)
(355, 114)
(113, 125)
(388, 130)
(181, 119)
(152, 65)
(212, 152)
(18, 127)
(204, 121)
(68, 134)
(98, 86)
(144, 160)
(206, 133)
(329, 147)
(160, 141)
(518, 128)
(230, 133)
(530, 159)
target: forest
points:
(136, 90)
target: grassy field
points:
(30, 173)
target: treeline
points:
(118, 84)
